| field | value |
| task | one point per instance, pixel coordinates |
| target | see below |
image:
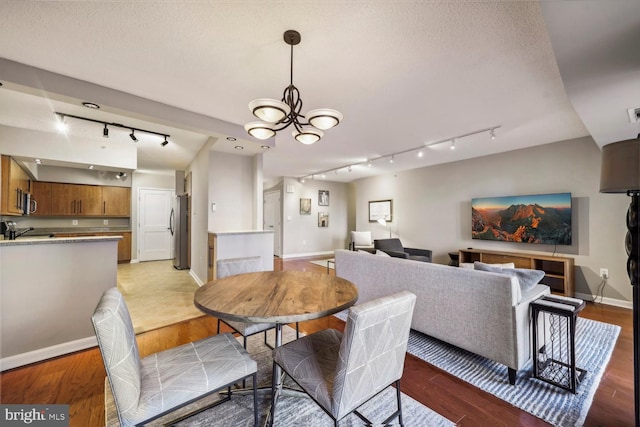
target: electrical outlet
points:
(604, 273)
(74, 222)
(105, 222)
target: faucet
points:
(13, 235)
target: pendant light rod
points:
(119, 125)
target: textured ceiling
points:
(402, 73)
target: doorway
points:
(154, 234)
(272, 219)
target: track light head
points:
(165, 142)
(105, 131)
(133, 136)
(492, 134)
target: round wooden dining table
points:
(278, 297)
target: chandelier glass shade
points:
(277, 115)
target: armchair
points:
(361, 240)
(394, 248)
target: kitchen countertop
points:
(40, 231)
(42, 240)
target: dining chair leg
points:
(399, 397)
(255, 399)
(297, 330)
(218, 332)
(273, 395)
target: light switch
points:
(213, 207)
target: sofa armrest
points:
(420, 252)
(396, 254)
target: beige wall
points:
(301, 234)
(432, 207)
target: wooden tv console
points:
(558, 270)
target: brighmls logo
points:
(36, 415)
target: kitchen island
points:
(239, 244)
(49, 288)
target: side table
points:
(555, 361)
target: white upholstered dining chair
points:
(231, 267)
(340, 372)
(147, 388)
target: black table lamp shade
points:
(620, 173)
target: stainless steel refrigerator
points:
(178, 224)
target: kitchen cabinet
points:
(15, 184)
(41, 194)
(76, 199)
(116, 201)
(124, 244)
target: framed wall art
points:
(381, 209)
(323, 219)
(305, 206)
(323, 197)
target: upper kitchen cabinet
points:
(76, 200)
(41, 195)
(116, 201)
(16, 183)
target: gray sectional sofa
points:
(482, 312)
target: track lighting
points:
(121, 175)
(61, 124)
(105, 130)
(420, 149)
(165, 142)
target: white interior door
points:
(155, 241)
(272, 220)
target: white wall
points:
(432, 207)
(301, 234)
(199, 170)
(232, 188)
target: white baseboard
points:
(308, 254)
(608, 301)
(195, 277)
(134, 261)
(46, 353)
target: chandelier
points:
(278, 115)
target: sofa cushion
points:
(471, 266)
(527, 278)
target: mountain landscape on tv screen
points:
(523, 223)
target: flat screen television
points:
(540, 218)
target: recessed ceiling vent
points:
(634, 114)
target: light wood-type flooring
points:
(78, 379)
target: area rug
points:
(594, 345)
(323, 262)
(291, 410)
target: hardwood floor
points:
(78, 379)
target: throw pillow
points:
(527, 278)
(382, 253)
(361, 238)
(468, 265)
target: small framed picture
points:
(323, 219)
(305, 206)
(323, 197)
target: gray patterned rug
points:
(594, 345)
(291, 410)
